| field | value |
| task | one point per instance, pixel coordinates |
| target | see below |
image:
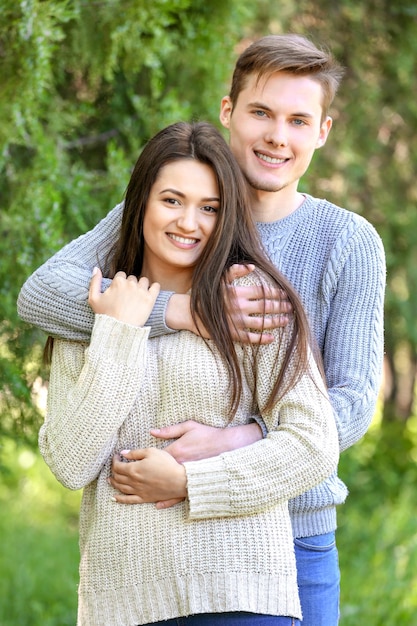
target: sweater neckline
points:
(293, 218)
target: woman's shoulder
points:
(255, 277)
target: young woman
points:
(224, 555)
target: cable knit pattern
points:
(229, 546)
(336, 261)
(54, 298)
(333, 257)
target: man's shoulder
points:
(331, 217)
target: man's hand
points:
(255, 309)
(194, 441)
(152, 476)
(248, 307)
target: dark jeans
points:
(229, 619)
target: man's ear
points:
(225, 111)
(324, 131)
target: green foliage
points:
(84, 85)
(39, 555)
(378, 529)
(376, 537)
(368, 165)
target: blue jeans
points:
(230, 619)
(318, 579)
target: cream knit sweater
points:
(229, 546)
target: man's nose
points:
(277, 134)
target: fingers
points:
(94, 291)
(238, 270)
(260, 323)
(130, 455)
(133, 499)
(257, 296)
(253, 338)
(172, 432)
(166, 504)
(123, 499)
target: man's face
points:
(275, 127)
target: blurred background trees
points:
(83, 85)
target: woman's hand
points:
(128, 299)
(151, 476)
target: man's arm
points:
(354, 342)
(54, 297)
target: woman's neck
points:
(174, 279)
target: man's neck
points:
(270, 206)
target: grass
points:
(377, 536)
(39, 553)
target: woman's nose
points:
(187, 220)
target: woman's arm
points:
(91, 392)
(84, 411)
(300, 450)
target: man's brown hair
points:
(290, 53)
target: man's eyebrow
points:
(265, 107)
(259, 105)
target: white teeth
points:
(269, 159)
(184, 240)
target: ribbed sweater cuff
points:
(208, 488)
(116, 341)
(314, 523)
(157, 318)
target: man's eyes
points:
(299, 122)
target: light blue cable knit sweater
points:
(336, 261)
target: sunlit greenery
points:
(83, 85)
(377, 539)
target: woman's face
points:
(179, 218)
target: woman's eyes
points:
(207, 208)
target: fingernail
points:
(113, 499)
(124, 452)
(155, 430)
(95, 270)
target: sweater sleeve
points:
(354, 342)
(91, 391)
(54, 297)
(300, 450)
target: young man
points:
(277, 116)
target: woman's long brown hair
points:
(234, 240)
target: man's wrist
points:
(241, 436)
(178, 312)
